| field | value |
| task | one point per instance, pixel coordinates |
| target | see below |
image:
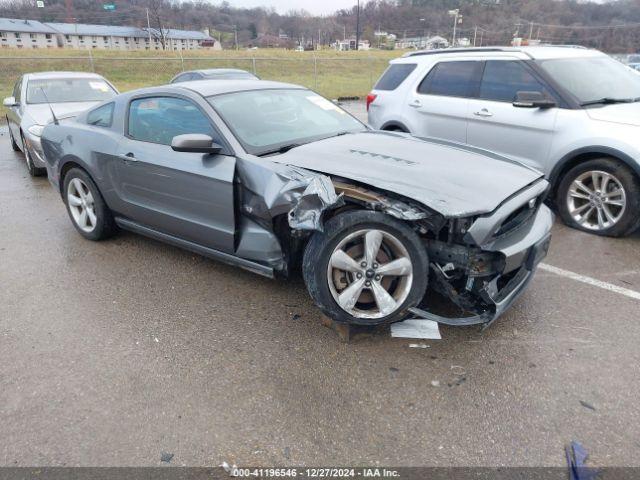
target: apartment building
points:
(33, 34)
(26, 34)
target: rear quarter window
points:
(101, 116)
(394, 76)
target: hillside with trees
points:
(613, 26)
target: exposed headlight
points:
(36, 130)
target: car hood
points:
(451, 179)
(622, 113)
(41, 114)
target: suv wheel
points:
(86, 207)
(365, 268)
(600, 196)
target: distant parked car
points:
(572, 113)
(634, 61)
(214, 74)
(35, 95)
(266, 175)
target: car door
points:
(438, 107)
(14, 114)
(188, 195)
(524, 134)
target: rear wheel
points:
(86, 207)
(600, 196)
(366, 268)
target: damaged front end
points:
(479, 264)
(482, 265)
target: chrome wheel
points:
(596, 200)
(81, 205)
(370, 274)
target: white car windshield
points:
(597, 79)
(64, 90)
(265, 121)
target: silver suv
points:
(572, 113)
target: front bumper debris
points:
(495, 276)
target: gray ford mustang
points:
(273, 177)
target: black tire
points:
(322, 245)
(630, 219)
(33, 170)
(14, 145)
(104, 227)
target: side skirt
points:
(195, 248)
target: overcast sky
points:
(317, 7)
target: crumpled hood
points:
(451, 179)
(41, 114)
(623, 113)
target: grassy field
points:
(333, 74)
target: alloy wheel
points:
(370, 274)
(81, 205)
(596, 200)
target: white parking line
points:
(590, 281)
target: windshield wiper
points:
(282, 149)
(609, 101)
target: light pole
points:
(358, 26)
(454, 14)
(422, 42)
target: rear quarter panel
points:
(85, 146)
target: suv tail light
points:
(370, 99)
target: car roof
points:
(221, 71)
(542, 52)
(53, 75)
(207, 88)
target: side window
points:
(159, 119)
(394, 76)
(451, 79)
(503, 79)
(102, 116)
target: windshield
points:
(64, 90)
(266, 120)
(590, 79)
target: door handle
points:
(483, 113)
(415, 103)
(128, 157)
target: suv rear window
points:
(394, 76)
(451, 79)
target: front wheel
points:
(600, 196)
(33, 170)
(365, 268)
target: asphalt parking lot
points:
(113, 353)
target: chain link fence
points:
(332, 77)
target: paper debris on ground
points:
(416, 328)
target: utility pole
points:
(530, 31)
(149, 28)
(454, 14)
(358, 26)
(475, 35)
(235, 32)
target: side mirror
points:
(532, 100)
(195, 143)
(9, 102)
